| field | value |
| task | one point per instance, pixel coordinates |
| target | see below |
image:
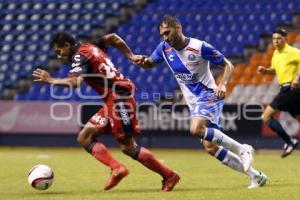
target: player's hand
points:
(220, 91)
(261, 69)
(136, 59)
(41, 75)
(296, 83)
(145, 60)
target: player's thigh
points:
(281, 102)
(100, 121)
(97, 124)
(128, 144)
(294, 108)
(268, 113)
(124, 120)
(205, 113)
(86, 134)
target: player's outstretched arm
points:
(43, 76)
(146, 62)
(116, 41)
(265, 70)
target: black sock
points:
(276, 127)
(136, 152)
(90, 146)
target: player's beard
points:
(174, 42)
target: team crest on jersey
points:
(193, 61)
(191, 57)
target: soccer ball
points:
(40, 177)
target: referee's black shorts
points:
(287, 100)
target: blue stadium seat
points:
(27, 27)
(21, 96)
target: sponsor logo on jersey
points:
(76, 62)
(77, 58)
(124, 114)
(75, 68)
(187, 77)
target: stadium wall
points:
(164, 125)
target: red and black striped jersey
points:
(97, 70)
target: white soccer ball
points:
(40, 177)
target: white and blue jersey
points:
(191, 68)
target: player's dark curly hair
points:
(169, 20)
(61, 38)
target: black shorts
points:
(287, 100)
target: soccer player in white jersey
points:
(189, 60)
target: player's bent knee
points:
(198, 130)
(132, 152)
(211, 149)
(126, 150)
(265, 118)
(85, 136)
(81, 140)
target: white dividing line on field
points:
(43, 156)
(37, 156)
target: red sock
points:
(100, 152)
(147, 159)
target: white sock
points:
(217, 137)
(252, 172)
(229, 159)
(233, 161)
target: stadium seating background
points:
(228, 25)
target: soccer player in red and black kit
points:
(90, 64)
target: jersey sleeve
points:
(79, 65)
(211, 54)
(157, 54)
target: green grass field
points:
(79, 176)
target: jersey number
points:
(109, 68)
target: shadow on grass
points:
(180, 189)
(137, 190)
(49, 193)
(282, 185)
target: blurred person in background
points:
(90, 64)
(286, 66)
(189, 60)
